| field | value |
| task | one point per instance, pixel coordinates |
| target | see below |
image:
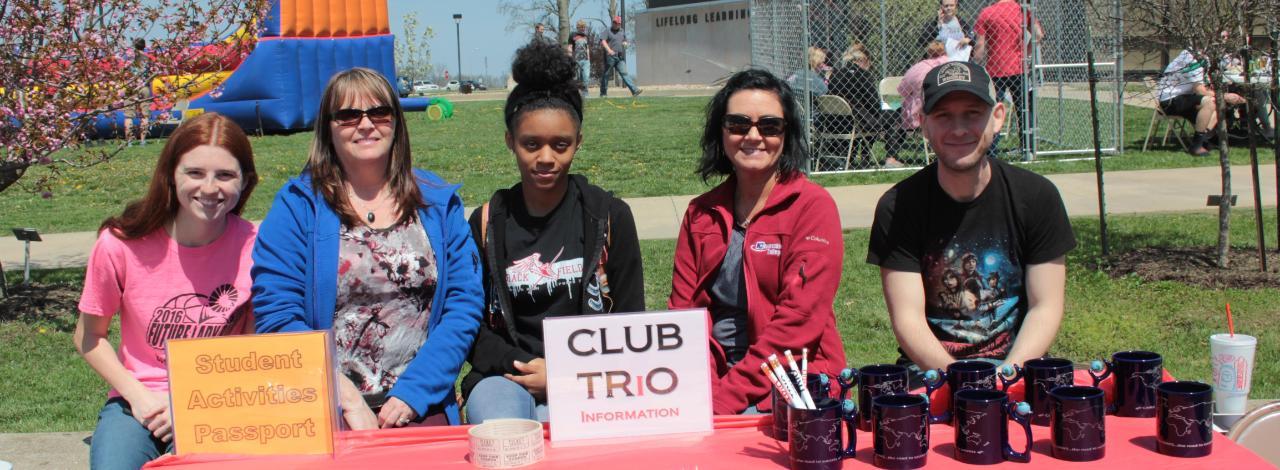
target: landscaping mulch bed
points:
(53, 302)
(1197, 266)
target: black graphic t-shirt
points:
(972, 255)
(544, 274)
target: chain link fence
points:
(858, 66)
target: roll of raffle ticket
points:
(506, 443)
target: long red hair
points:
(160, 205)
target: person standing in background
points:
(949, 29)
(614, 43)
(1001, 37)
(580, 50)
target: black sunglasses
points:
(769, 126)
(351, 117)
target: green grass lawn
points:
(47, 387)
(644, 148)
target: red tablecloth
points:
(739, 442)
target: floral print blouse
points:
(386, 281)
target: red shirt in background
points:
(1002, 25)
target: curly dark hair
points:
(546, 78)
(795, 152)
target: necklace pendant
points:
(369, 216)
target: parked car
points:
(453, 85)
(474, 85)
(425, 88)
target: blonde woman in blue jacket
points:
(381, 253)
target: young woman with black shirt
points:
(552, 245)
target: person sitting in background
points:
(811, 80)
(1182, 92)
(854, 81)
(910, 88)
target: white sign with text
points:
(625, 375)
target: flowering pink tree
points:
(65, 64)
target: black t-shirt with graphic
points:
(545, 273)
(972, 255)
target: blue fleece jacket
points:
(295, 282)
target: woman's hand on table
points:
(534, 378)
(395, 414)
(355, 411)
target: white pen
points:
(800, 380)
(786, 383)
(804, 362)
(768, 372)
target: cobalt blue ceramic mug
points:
(780, 408)
(900, 430)
(1042, 375)
(1137, 373)
(815, 435)
(982, 432)
(819, 387)
(875, 380)
(976, 375)
(1184, 419)
(1077, 423)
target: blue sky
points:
(484, 31)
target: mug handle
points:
(851, 426)
(1009, 370)
(945, 417)
(933, 380)
(848, 379)
(1019, 412)
(1105, 366)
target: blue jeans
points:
(611, 63)
(584, 74)
(121, 442)
(497, 398)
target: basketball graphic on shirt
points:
(193, 316)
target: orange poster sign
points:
(255, 394)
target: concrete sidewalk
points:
(1180, 189)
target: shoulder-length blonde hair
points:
(327, 175)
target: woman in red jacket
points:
(763, 250)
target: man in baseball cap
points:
(940, 234)
(614, 43)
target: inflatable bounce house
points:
(277, 86)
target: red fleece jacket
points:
(792, 261)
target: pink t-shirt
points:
(912, 90)
(164, 290)
(1001, 25)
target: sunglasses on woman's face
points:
(769, 126)
(351, 117)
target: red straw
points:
(1231, 325)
